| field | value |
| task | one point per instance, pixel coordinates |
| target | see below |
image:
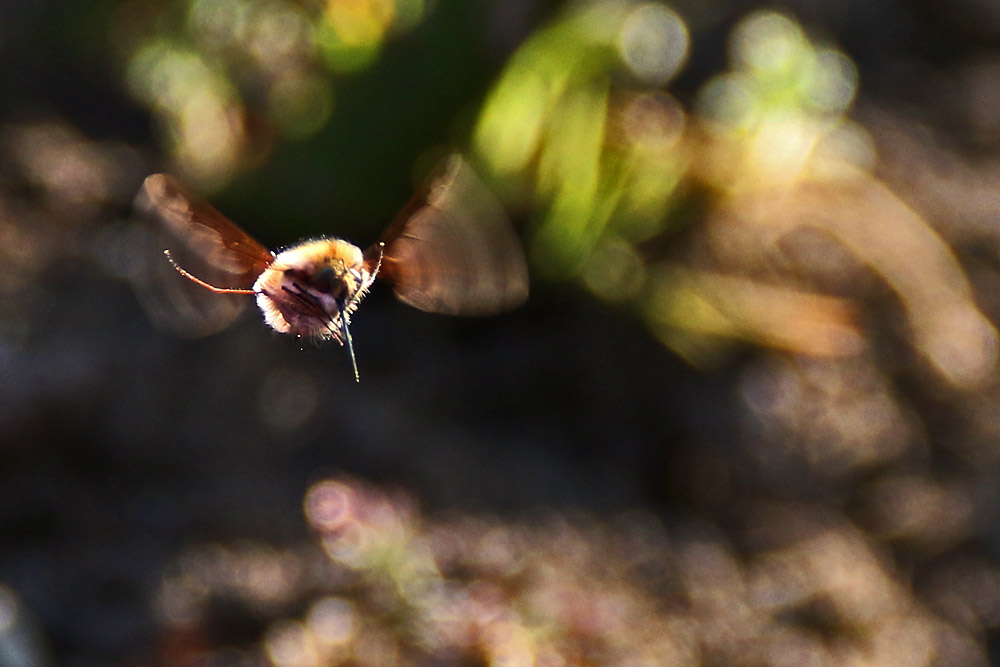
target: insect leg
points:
(219, 290)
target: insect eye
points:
(328, 281)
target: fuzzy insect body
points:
(311, 287)
(451, 251)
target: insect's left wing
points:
(202, 234)
(455, 252)
(202, 241)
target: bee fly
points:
(452, 251)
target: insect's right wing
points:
(455, 252)
(203, 242)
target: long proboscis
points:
(349, 342)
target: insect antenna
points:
(219, 290)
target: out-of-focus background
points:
(749, 415)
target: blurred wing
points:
(203, 234)
(456, 253)
(202, 241)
